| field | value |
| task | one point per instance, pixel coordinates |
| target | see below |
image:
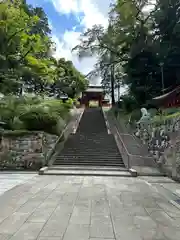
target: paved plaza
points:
(8, 181)
(36, 207)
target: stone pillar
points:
(100, 101)
(87, 103)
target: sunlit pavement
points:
(81, 208)
(9, 180)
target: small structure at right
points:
(168, 100)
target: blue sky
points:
(60, 21)
(68, 19)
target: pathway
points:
(90, 208)
(8, 181)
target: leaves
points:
(26, 60)
(142, 36)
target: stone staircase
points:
(90, 151)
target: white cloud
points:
(88, 13)
(64, 49)
(94, 11)
(65, 6)
(50, 24)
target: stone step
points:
(76, 154)
(87, 149)
(90, 151)
(96, 136)
(88, 173)
(92, 136)
(90, 147)
(120, 164)
(91, 143)
(82, 155)
(84, 158)
(89, 168)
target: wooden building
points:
(169, 99)
(93, 93)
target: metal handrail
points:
(136, 155)
(52, 151)
(60, 138)
(128, 154)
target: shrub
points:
(68, 104)
(129, 103)
(39, 119)
(136, 115)
(8, 111)
(56, 106)
(34, 113)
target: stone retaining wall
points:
(163, 142)
(32, 150)
(27, 151)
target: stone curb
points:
(42, 170)
(133, 172)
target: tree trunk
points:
(112, 85)
(118, 91)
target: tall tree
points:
(26, 61)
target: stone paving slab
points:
(90, 208)
(101, 238)
(9, 180)
(4, 236)
(28, 231)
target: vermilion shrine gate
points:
(94, 93)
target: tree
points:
(133, 42)
(97, 41)
(152, 48)
(68, 80)
(26, 62)
(167, 32)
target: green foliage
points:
(39, 119)
(139, 48)
(34, 113)
(68, 104)
(27, 66)
(135, 115)
(26, 61)
(16, 133)
(129, 103)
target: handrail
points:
(128, 134)
(52, 151)
(123, 146)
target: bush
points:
(34, 113)
(136, 115)
(57, 106)
(8, 112)
(39, 119)
(68, 104)
(129, 103)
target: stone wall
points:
(32, 150)
(163, 142)
(25, 151)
